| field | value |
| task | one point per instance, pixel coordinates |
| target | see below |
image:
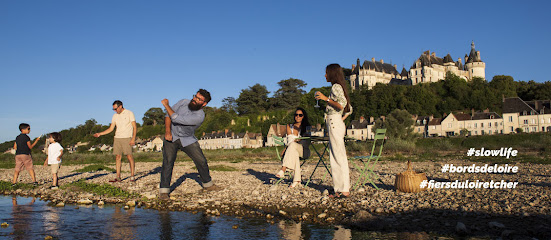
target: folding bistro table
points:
(320, 153)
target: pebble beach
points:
(523, 212)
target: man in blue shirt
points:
(180, 124)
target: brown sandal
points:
(115, 180)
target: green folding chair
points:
(369, 162)
(279, 141)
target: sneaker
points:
(35, 183)
(214, 187)
(54, 187)
(164, 196)
(280, 174)
(14, 184)
(132, 179)
(115, 180)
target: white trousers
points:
(337, 153)
(291, 159)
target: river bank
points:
(522, 212)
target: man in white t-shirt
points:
(125, 137)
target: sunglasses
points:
(201, 100)
(115, 109)
(299, 114)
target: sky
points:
(64, 62)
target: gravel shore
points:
(522, 212)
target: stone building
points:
(530, 116)
(427, 68)
(361, 129)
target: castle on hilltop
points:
(427, 68)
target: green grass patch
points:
(103, 189)
(94, 168)
(6, 185)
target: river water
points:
(31, 218)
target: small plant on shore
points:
(7, 186)
(99, 189)
(94, 168)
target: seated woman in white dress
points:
(296, 148)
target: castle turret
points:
(474, 64)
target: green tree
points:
(154, 116)
(229, 104)
(398, 124)
(253, 100)
(504, 86)
(289, 94)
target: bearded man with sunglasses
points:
(180, 124)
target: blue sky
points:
(63, 62)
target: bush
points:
(399, 145)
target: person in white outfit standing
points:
(338, 104)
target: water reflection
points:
(122, 224)
(21, 217)
(34, 219)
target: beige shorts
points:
(121, 146)
(23, 160)
(55, 168)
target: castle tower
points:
(474, 65)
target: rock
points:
(235, 226)
(131, 203)
(48, 237)
(283, 197)
(149, 195)
(362, 215)
(507, 233)
(60, 204)
(282, 212)
(379, 210)
(256, 192)
(496, 225)
(84, 201)
(172, 198)
(126, 207)
(101, 203)
(361, 190)
(325, 192)
(461, 228)
(269, 216)
(323, 215)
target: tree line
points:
(254, 110)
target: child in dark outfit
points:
(23, 157)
